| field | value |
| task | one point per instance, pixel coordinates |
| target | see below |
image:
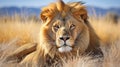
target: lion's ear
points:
(43, 17)
(46, 15)
(48, 12)
(78, 10)
(81, 13)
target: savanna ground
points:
(16, 31)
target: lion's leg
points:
(35, 59)
(22, 51)
(29, 60)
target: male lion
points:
(65, 32)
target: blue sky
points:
(38, 3)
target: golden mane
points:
(76, 8)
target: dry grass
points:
(107, 31)
(23, 32)
(15, 32)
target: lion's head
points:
(65, 29)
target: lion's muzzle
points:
(64, 40)
(64, 44)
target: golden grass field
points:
(15, 32)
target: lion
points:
(65, 32)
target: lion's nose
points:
(64, 38)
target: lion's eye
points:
(56, 27)
(72, 26)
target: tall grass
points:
(107, 31)
(14, 32)
(22, 31)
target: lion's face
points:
(66, 27)
(66, 31)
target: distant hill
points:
(100, 11)
(30, 11)
(17, 10)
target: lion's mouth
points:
(64, 49)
